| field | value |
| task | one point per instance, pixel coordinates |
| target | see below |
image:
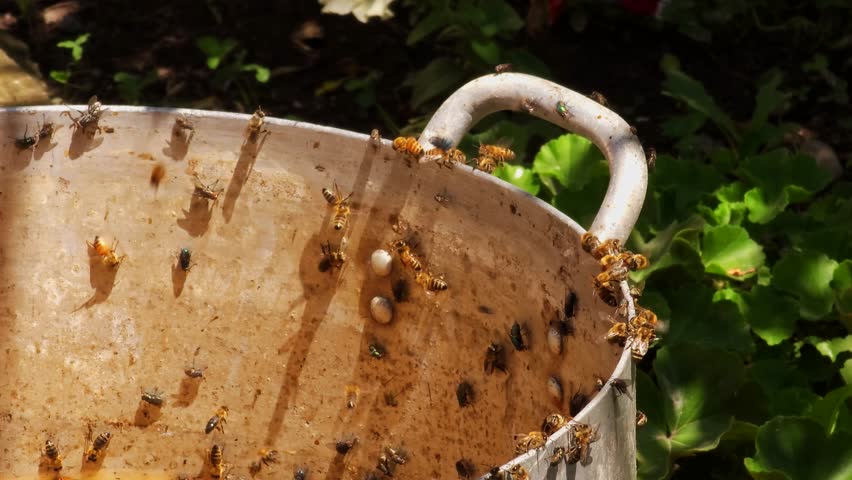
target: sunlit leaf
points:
(261, 73)
(807, 275)
(571, 160)
(728, 250)
(76, 46)
(798, 448)
(61, 76)
(836, 349)
(771, 316)
(521, 177)
(215, 49)
(827, 410)
(841, 283)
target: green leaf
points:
(487, 50)
(582, 206)
(61, 76)
(702, 318)
(695, 382)
(728, 250)
(841, 283)
(769, 100)
(500, 17)
(571, 160)
(427, 26)
(261, 73)
(762, 210)
(76, 46)
(653, 445)
(520, 177)
(771, 316)
(807, 275)
(798, 448)
(834, 349)
(437, 78)
(524, 61)
(827, 410)
(690, 91)
(215, 49)
(673, 246)
(684, 182)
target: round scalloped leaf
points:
(728, 250)
(571, 160)
(807, 275)
(841, 283)
(798, 449)
(827, 410)
(521, 177)
(771, 316)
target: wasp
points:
(344, 445)
(88, 120)
(495, 357)
(340, 204)
(408, 259)
(530, 441)
(98, 447)
(377, 350)
(465, 468)
(431, 282)
(562, 110)
(465, 394)
(207, 192)
(255, 129)
(217, 420)
(217, 461)
(554, 422)
(107, 253)
(333, 257)
(516, 335)
(409, 146)
(152, 396)
(52, 459)
(157, 175)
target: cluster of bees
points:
(637, 332)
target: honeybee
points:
(98, 447)
(503, 67)
(340, 204)
(580, 441)
(268, 456)
(385, 465)
(516, 335)
(645, 316)
(409, 146)
(152, 396)
(88, 120)
(652, 158)
(52, 460)
(408, 259)
(607, 247)
(643, 336)
(554, 422)
(377, 350)
(641, 419)
(465, 394)
(606, 292)
(157, 175)
(495, 357)
(375, 138)
(207, 192)
(217, 421)
(465, 468)
(183, 125)
(333, 257)
(397, 455)
(633, 261)
(589, 242)
(344, 445)
(617, 272)
(255, 129)
(619, 385)
(107, 253)
(352, 392)
(27, 141)
(530, 441)
(444, 154)
(46, 131)
(217, 461)
(518, 472)
(486, 164)
(562, 110)
(618, 333)
(598, 97)
(557, 456)
(194, 372)
(431, 283)
(500, 154)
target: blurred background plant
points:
(748, 217)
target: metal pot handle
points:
(510, 91)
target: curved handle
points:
(511, 91)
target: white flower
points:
(361, 9)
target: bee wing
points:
(92, 100)
(440, 142)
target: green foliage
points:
(76, 48)
(130, 85)
(751, 274)
(227, 59)
(215, 49)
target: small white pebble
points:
(381, 261)
(381, 309)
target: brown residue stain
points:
(145, 156)
(192, 165)
(316, 144)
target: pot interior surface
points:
(282, 341)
